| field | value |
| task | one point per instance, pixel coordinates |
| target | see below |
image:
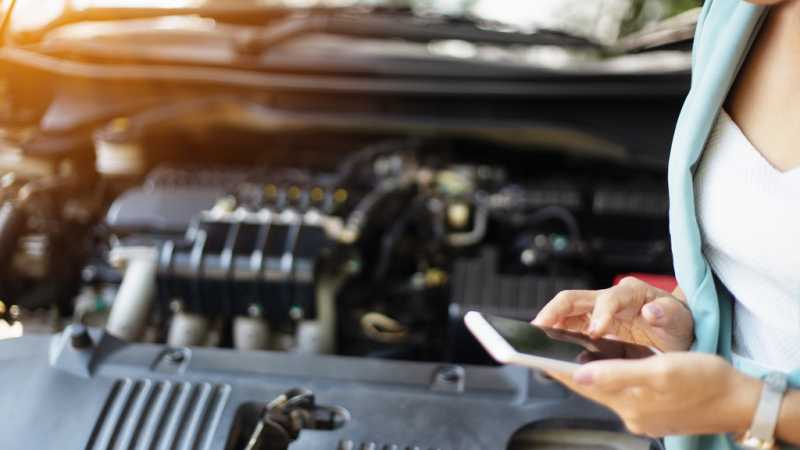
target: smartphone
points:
(521, 343)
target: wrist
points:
(787, 429)
(745, 393)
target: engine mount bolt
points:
(451, 375)
(176, 356)
(79, 337)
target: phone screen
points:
(562, 345)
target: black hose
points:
(363, 211)
(348, 168)
(391, 238)
(548, 213)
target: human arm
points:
(788, 429)
(681, 394)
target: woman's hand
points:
(632, 311)
(674, 393)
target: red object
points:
(665, 282)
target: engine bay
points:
(378, 255)
(241, 294)
(204, 249)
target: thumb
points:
(667, 313)
(613, 374)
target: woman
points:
(734, 219)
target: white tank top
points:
(749, 215)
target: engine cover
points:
(79, 391)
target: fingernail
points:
(583, 377)
(655, 311)
(593, 326)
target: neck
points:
(765, 100)
(772, 70)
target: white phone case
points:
(504, 353)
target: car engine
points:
(225, 265)
(377, 255)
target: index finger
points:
(564, 305)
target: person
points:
(731, 332)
